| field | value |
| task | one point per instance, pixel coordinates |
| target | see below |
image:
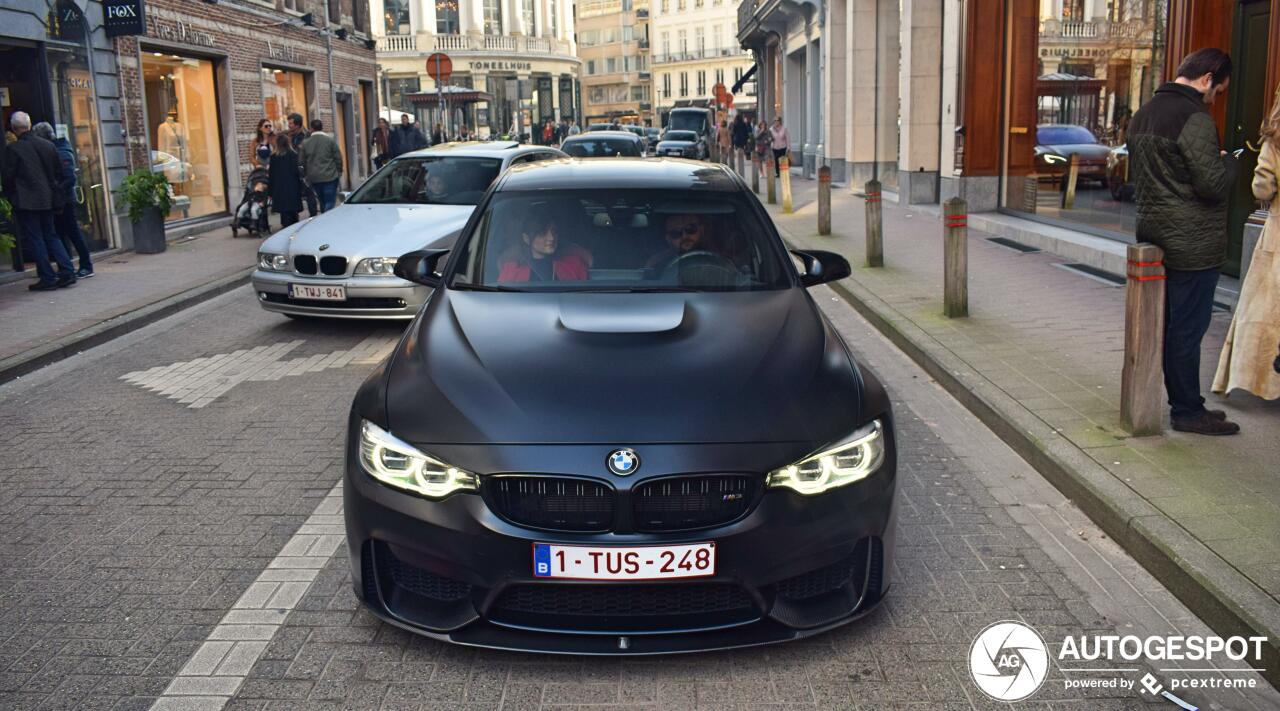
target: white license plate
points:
(693, 560)
(319, 293)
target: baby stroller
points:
(253, 213)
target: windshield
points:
(689, 120)
(1062, 135)
(444, 180)
(601, 148)
(680, 136)
(620, 240)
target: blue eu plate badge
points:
(541, 560)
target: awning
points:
(737, 85)
(452, 94)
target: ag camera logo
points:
(1008, 661)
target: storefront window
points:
(1075, 82)
(183, 131)
(283, 93)
(447, 17)
(396, 17)
(397, 88)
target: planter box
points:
(148, 233)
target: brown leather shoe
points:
(1206, 424)
(1217, 414)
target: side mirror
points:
(821, 267)
(344, 195)
(421, 266)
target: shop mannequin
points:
(171, 138)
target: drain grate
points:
(1011, 244)
(1102, 275)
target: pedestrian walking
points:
(65, 221)
(31, 174)
(1246, 361)
(1182, 182)
(573, 127)
(408, 137)
(763, 140)
(264, 137)
(380, 141)
(780, 142)
(741, 134)
(321, 160)
(298, 134)
(284, 181)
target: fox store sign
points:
(124, 17)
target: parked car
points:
(604, 144)
(1118, 173)
(682, 144)
(654, 441)
(339, 264)
(652, 134)
(601, 127)
(1055, 143)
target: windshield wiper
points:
(485, 287)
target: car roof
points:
(593, 135)
(623, 173)
(476, 149)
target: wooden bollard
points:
(1142, 378)
(1069, 186)
(824, 200)
(771, 180)
(755, 173)
(875, 225)
(784, 168)
(955, 264)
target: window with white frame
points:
(684, 84)
(526, 14)
(682, 42)
(715, 37)
(666, 86)
(702, 83)
(666, 43)
(700, 41)
(447, 17)
(492, 17)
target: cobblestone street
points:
(170, 539)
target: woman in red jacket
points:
(540, 258)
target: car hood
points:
(1088, 151)
(479, 367)
(378, 230)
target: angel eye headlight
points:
(400, 465)
(855, 459)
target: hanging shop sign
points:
(124, 17)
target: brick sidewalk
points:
(122, 284)
(1041, 355)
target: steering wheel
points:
(701, 267)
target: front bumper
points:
(368, 297)
(792, 567)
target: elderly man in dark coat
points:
(32, 173)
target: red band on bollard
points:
(1151, 277)
(1145, 264)
(957, 223)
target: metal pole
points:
(824, 200)
(875, 225)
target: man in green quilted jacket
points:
(1182, 180)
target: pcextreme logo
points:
(1009, 661)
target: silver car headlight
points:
(854, 459)
(273, 262)
(376, 266)
(400, 465)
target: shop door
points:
(75, 118)
(1246, 105)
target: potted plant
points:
(146, 194)
(8, 230)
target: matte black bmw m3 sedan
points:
(620, 425)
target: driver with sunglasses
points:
(684, 234)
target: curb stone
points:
(38, 357)
(1210, 587)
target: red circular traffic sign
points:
(439, 67)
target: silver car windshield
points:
(430, 180)
(620, 240)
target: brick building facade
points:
(195, 87)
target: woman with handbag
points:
(1248, 353)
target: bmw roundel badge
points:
(623, 462)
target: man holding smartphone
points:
(1182, 183)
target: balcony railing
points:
(1096, 30)
(642, 14)
(502, 44)
(746, 10)
(397, 43)
(695, 54)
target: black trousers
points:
(288, 218)
(1188, 307)
(777, 160)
